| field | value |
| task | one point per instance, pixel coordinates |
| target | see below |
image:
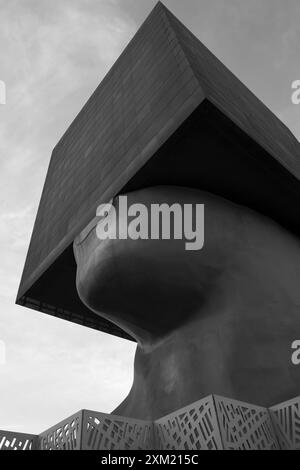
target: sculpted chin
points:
(220, 320)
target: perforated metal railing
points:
(286, 420)
(66, 435)
(17, 441)
(211, 423)
(110, 432)
(93, 430)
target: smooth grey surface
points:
(220, 320)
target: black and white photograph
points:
(150, 227)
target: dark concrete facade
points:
(160, 116)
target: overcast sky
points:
(53, 54)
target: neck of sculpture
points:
(237, 345)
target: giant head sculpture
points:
(218, 319)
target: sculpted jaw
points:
(218, 320)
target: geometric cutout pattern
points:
(212, 423)
(63, 436)
(193, 427)
(244, 426)
(286, 420)
(108, 432)
(17, 441)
